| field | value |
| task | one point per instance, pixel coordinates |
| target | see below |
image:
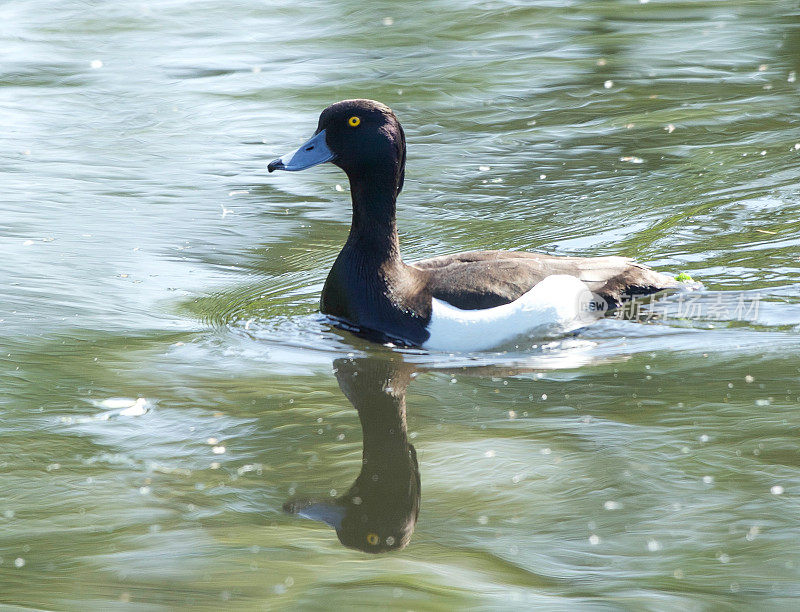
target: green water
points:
(145, 253)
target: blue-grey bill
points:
(314, 151)
(330, 514)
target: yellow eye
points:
(354, 121)
(372, 538)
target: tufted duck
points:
(465, 301)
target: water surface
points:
(145, 253)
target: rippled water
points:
(166, 385)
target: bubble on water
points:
(96, 64)
(762, 402)
(723, 558)
(669, 128)
(752, 533)
(594, 540)
(339, 187)
(484, 168)
(19, 562)
(489, 453)
(612, 505)
(546, 451)
(218, 450)
(708, 479)
(483, 519)
(387, 21)
(632, 159)
(653, 545)
(542, 176)
(792, 77)
(704, 438)
(776, 490)
(748, 379)
(608, 84)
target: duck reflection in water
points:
(379, 512)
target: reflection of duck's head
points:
(379, 512)
(365, 517)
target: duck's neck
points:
(373, 232)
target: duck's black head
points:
(362, 137)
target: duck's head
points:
(362, 137)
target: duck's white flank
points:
(557, 303)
